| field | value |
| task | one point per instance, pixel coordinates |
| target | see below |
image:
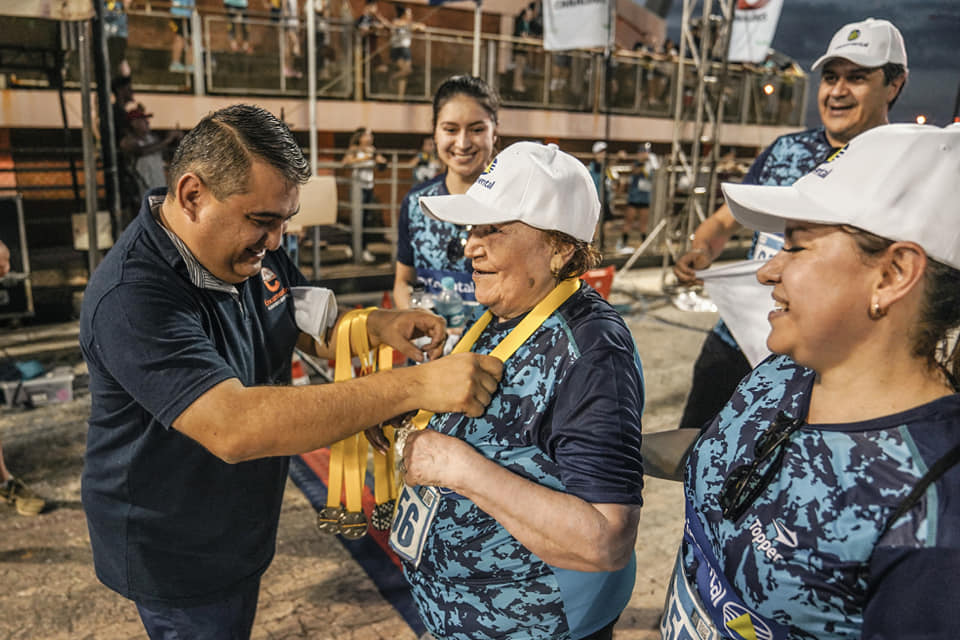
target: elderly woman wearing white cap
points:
(521, 523)
(824, 501)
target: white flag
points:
(575, 24)
(754, 24)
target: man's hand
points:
(399, 328)
(458, 383)
(689, 263)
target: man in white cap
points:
(862, 73)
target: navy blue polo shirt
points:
(170, 522)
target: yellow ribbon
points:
(348, 457)
(515, 338)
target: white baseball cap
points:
(897, 181)
(528, 182)
(599, 146)
(871, 43)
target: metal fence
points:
(354, 66)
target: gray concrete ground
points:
(314, 589)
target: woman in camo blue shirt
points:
(464, 131)
(521, 523)
(823, 501)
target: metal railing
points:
(355, 67)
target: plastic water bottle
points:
(449, 305)
(419, 298)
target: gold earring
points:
(876, 312)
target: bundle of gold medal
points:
(348, 458)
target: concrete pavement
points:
(314, 589)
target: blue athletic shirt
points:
(806, 553)
(170, 522)
(566, 415)
(786, 160)
(422, 242)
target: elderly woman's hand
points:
(434, 459)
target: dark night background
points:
(931, 29)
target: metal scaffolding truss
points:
(689, 188)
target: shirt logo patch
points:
(784, 535)
(272, 284)
(739, 620)
(486, 182)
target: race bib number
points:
(683, 618)
(416, 509)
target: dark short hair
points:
(469, 86)
(223, 146)
(892, 71)
(585, 255)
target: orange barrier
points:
(600, 279)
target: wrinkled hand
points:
(399, 328)
(689, 263)
(434, 459)
(458, 383)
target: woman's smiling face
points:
(464, 136)
(822, 290)
(511, 267)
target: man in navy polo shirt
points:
(188, 328)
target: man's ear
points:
(190, 192)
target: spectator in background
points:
(285, 12)
(181, 54)
(363, 158)
(13, 492)
(367, 25)
(115, 29)
(401, 37)
(237, 31)
(145, 150)
(639, 194)
(659, 76)
(325, 53)
(603, 178)
(426, 164)
(522, 28)
(122, 89)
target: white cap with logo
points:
(870, 43)
(528, 182)
(897, 181)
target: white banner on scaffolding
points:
(754, 25)
(575, 24)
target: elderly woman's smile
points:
(512, 266)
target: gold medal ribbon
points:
(515, 338)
